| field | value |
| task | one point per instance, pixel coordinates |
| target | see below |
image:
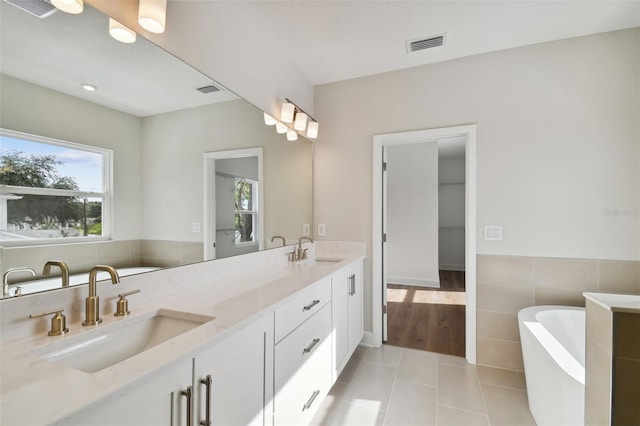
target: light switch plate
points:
(195, 227)
(322, 230)
(493, 233)
(306, 230)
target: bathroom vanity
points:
(248, 340)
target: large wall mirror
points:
(160, 132)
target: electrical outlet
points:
(322, 230)
(493, 233)
(306, 230)
(195, 227)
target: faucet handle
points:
(58, 321)
(122, 305)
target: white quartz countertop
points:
(616, 302)
(38, 392)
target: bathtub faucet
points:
(5, 278)
(63, 268)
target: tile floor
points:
(401, 387)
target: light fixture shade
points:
(152, 15)
(292, 135)
(120, 32)
(69, 6)
(301, 121)
(288, 110)
(281, 128)
(269, 120)
(312, 130)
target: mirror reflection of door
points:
(233, 202)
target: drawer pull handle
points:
(310, 401)
(310, 347)
(352, 284)
(311, 305)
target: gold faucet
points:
(284, 243)
(5, 278)
(63, 268)
(92, 303)
(302, 255)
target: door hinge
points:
(384, 238)
(384, 167)
(384, 309)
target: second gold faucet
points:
(92, 302)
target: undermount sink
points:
(110, 344)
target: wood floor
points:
(428, 319)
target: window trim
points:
(106, 196)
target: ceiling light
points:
(269, 120)
(301, 121)
(312, 130)
(69, 6)
(120, 32)
(288, 110)
(152, 15)
(281, 128)
(292, 135)
(89, 87)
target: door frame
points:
(209, 203)
(389, 139)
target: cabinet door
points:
(240, 369)
(339, 320)
(355, 302)
(154, 402)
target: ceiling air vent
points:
(425, 43)
(208, 89)
(39, 8)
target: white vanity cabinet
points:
(237, 373)
(303, 357)
(152, 402)
(347, 314)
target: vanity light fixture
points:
(69, 6)
(89, 87)
(288, 111)
(269, 120)
(301, 121)
(281, 128)
(292, 135)
(312, 130)
(152, 15)
(120, 32)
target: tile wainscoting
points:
(506, 284)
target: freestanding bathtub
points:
(553, 349)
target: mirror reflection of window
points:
(245, 196)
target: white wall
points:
(451, 213)
(28, 108)
(558, 144)
(412, 214)
(223, 41)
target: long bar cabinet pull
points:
(352, 284)
(188, 393)
(310, 347)
(310, 401)
(207, 417)
(311, 305)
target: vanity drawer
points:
(303, 379)
(294, 313)
(307, 342)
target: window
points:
(245, 194)
(52, 190)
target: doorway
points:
(381, 271)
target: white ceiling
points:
(330, 41)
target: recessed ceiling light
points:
(89, 87)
